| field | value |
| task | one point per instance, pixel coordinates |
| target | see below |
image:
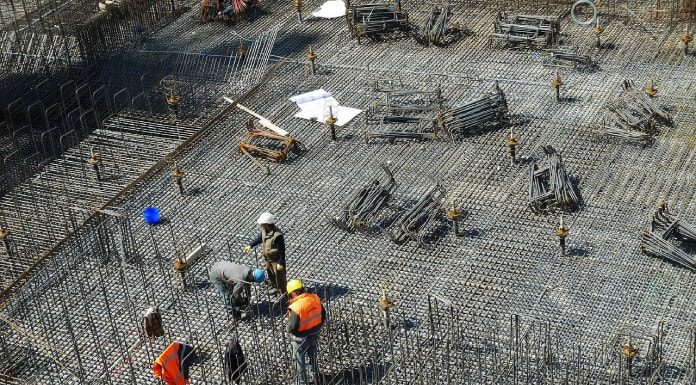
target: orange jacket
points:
(308, 307)
(169, 365)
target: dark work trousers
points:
(277, 278)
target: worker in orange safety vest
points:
(306, 315)
(173, 364)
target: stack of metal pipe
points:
(657, 240)
(489, 110)
(532, 30)
(549, 184)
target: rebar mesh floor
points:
(79, 315)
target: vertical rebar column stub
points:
(557, 83)
(178, 175)
(331, 123)
(386, 304)
(297, 4)
(312, 56)
(598, 31)
(651, 90)
(181, 267)
(686, 38)
(241, 50)
(512, 143)
(630, 352)
(562, 232)
(5, 237)
(453, 215)
(95, 160)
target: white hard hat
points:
(266, 219)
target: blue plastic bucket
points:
(151, 215)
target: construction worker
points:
(306, 315)
(233, 283)
(273, 249)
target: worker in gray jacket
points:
(233, 282)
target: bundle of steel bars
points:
(363, 210)
(435, 29)
(568, 58)
(376, 19)
(490, 110)
(632, 114)
(666, 226)
(529, 30)
(413, 224)
(549, 185)
(406, 109)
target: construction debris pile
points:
(526, 30)
(633, 114)
(665, 236)
(550, 187)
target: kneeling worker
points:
(233, 283)
(306, 315)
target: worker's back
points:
(227, 271)
(306, 315)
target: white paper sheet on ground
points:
(309, 96)
(314, 105)
(342, 114)
(331, 9)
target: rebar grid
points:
(507, 264)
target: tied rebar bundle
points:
(531, 30)
(414, 222)
(488, 111)
(406, 108)
(633, 115)
(363, 210)
(658, 240)
(375, 19)
(549, 184)
(435, 29)
(567, 57)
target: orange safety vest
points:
(167, 366)
(308, 307)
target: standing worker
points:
(306, 315)
(273, 249)
(233, 283)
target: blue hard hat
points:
(259, 275)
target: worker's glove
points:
(247, 249)
(280, 267)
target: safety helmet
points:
(259, 275)
(294, 285)
(266, 219)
